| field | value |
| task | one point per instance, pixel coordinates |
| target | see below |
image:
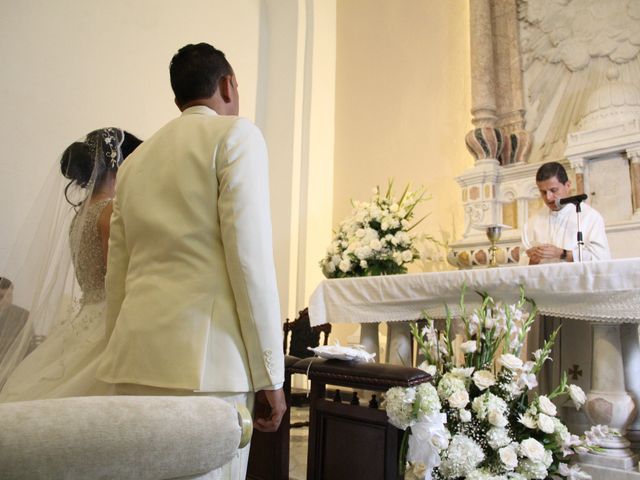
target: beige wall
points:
(71, 66)
(402, 102)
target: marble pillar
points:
(483, 106)
(634, 171)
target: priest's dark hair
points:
(196, 70)
(550, 170)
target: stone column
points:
(631, 360)
(578, 166)
(483, 99)
(608, 402)
(634, 171)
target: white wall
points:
(71, 66)
(403, 98)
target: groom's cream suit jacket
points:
(192, 301)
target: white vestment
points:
(560, 228)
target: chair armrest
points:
(146, 438)
(369, 376)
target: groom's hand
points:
(270, 408)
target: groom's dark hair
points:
(196, 70)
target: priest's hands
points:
(270, 408)
(544, 252)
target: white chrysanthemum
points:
(498, 437)
(528, 421)
(449, 384)
(461, 458)
(399, 406)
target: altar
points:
(605, 294)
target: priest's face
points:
(552, 190)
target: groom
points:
(192, 302)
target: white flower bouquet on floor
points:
(375, 239)
(481, 420)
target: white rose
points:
(508, 457)
(345, 265)
(577, 396)
(497, 419)
(459, 399)
(484, 379)
(329, 267)
(462, 372)
(465, 415)
(407, 256)
(546, 423)
(532, 449)
(546, 406)
(375, 244)
(363, 264)
(510, 361)
(469, 347)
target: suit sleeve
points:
(245, 224)
(117, 264)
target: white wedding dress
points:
(64, 365)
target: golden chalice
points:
(494, 232)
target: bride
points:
(67, 293)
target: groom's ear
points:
(225, 87)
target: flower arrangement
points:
(481, 420)
(376, 238)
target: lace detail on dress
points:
(87, 254)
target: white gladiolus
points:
(469, 346)
(577, 396)
(430, 369)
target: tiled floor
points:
(298, 444)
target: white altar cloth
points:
(607, 291)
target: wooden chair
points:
(303, 335)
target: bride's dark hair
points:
(88, 161)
